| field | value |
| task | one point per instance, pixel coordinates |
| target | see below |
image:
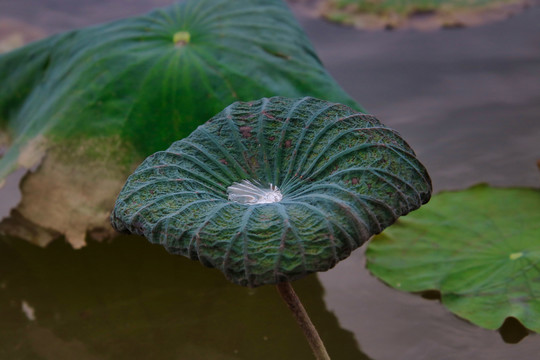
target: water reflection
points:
(127, 299)
(390, 324)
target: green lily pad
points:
(272, 190)
(98, 100)
(479, 247)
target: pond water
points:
(467, 100)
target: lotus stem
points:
(286, 291)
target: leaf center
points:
(181, 38)
(515, 256)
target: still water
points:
(467, 100)
(131, 300)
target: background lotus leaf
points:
(479, 247)
(419, 14)
(100, 99)
(343, 175)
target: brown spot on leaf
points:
(354, 181)
(56, 198)
(223, 161)
(288, 143)
(246, 131)
(268, 115)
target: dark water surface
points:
(467, 100)
(132, 300)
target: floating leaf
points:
(419, 14)
(342, 176)
(100, 99)
(479, 247)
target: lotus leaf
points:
(271, 190)
(479, 247)
(419, 14)
(100, 99)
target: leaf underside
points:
(344, 177)
(479, 247)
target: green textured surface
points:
(343, 176)
(130, 79)
(479, 247)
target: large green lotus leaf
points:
(479, 247)
(341, 177)
(97, 100)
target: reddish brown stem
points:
(286, 291)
